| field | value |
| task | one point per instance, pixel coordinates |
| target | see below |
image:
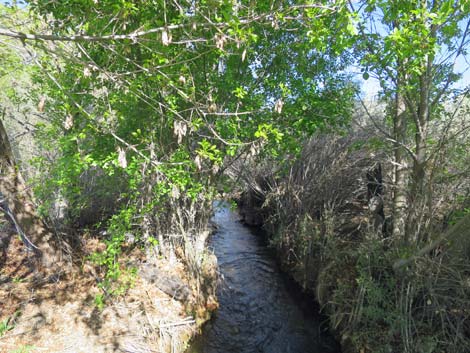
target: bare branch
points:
(388, 137)
(459, 52)
(456, 230)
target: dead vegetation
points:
(60, 313)
(324, 226)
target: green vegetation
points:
(144, 112)
(380, 293)
(146, 125)
(8, 323)
(24, 349)
(5, 326)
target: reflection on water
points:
(257, 312)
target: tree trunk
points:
(419, 196)
(19, 201)
(421, 191)
(400, 200)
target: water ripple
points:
(257, 310)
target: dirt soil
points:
(57, 313)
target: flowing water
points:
(259, 311)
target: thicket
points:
(381, 294)
(361, 214)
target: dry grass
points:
(318, 219)
(58, 314)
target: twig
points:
(186, 321)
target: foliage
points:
(99, 301)
(404, 310)
(116, 280)
(411, 48)
(144, 119)
(10, 57)
(5, 326)
(152, 107)
(413, 35)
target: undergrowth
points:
(116, 279)
(422, 308)
(319, 222)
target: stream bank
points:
(161, 311)
(329, 218)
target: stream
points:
(261, 310)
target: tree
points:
(16, 195)
(18, 200)
(165, 95)
(411, 48)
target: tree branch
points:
(134, 36)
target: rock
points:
(171, 285)
(174, 287)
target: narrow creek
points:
(260, 311)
